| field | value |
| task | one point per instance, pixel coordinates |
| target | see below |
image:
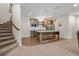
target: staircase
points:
(7, 39)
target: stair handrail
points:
(14, 25)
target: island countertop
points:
(46, 31)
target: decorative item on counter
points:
(46, 22)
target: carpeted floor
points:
(64, 47)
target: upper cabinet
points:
(33, 22)
(48, 24)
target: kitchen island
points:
(47, 35)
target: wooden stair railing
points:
(14, 25)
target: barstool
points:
(78, 37)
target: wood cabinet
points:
(33, 22)
(33, 34)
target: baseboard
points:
(66, 37)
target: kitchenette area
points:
(43, 31)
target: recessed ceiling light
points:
(75, 5)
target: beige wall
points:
(4, 12)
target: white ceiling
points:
(48, 9)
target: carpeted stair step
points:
(7, 48)
(7, 42)
(5, 28)
(5, 34)
(5, 31)
(5, 38)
